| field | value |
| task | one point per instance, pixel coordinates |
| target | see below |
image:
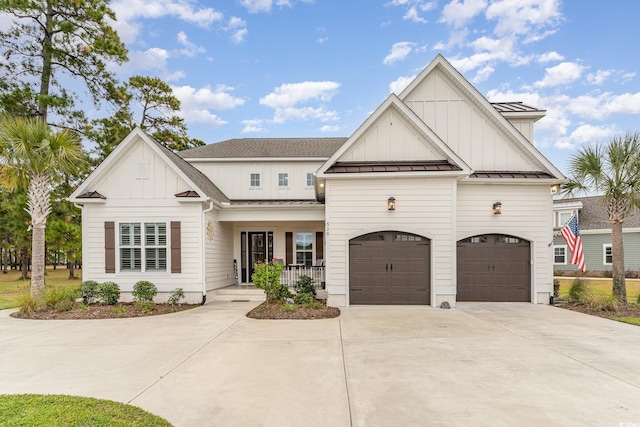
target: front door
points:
(256, 246)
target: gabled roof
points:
(490, 110)
(194, 178)
(265, 148)
(593, 214)
(394, 102)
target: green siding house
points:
(596, 235)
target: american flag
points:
(571, 235)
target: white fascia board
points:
(500, 181)
(424, 174)
(567, 205)
(535, 115)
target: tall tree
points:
(613, 171)
(31, 156)
(51, 43)
(153, 101)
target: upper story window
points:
(255, 180)
(560, 218)
(138, 251)
(309, 180)
(283, 179)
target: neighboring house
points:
(404, 211)
(595, 230)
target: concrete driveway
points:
(481, 364)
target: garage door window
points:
(475, 239)
(407, 238)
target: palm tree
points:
(31, 156)
(613, 171)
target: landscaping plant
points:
(144, 291)
(266, 276)
(89, 291)
(176, 295)
(108, 293)
(305, 285)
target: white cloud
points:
(129, 11)
(523, 17)
(457, 13)
(330, 128)
(154, 58)
(550, 57)
(599, 76)
(587, 134)
(5, 21)
(289, 101)
(483, 74)
(195, 104)
(412, 15)
(563, 73)
(399, 51)
(398, 85)
(190, 49)
(238, 30)
(253, 126)
(257, 6)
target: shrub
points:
(145, 307)
(556, 288)
(119, 309)
(266, 276)
(108, 293)
(287, 307)
(608, 273)
(304, 285)
(631, 274)
(144, 291)
(578, 289)
(176, 295)
(27, 304)
(53, 296)
(304, 298)
(65, 305)
(601, 302)
(89, 291)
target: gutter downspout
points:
(203, 258)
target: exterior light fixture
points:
(391, 204)
(497, 208)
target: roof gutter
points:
(202, 258)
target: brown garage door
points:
(494, 267)
(389, 267)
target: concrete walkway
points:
(480, 364)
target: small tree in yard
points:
(266, 276)
(613, 171)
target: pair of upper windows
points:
(283, 180)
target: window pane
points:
(255, 180)
(283, 179)
(303, 241)
(156, 259)
(309, 180)
(130, 259)
(130, 234)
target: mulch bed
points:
(274, 311)
(630, 310)
(100, 311)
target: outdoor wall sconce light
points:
(497, 208)
(391, 204)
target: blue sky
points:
(287, 68)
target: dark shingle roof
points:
(364, 167)
(594, 216)
(194, 174)
(266, 147)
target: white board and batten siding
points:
(234, 179)
(464, 126)
(139, 188)
(526, 213)
(357, 206)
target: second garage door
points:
(389, 267)
(494, 267)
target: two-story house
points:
(438, 196)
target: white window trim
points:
(142, 248)
(306, 178)
(604, 254)
(255, 187)
(311, 251)
(565, 254)
(288, 182)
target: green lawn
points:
(26, 410)
(602, 286)
(11, 285)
